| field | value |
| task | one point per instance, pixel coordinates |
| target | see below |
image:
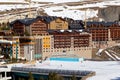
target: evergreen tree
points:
(41, 78)
(20, 78)
(73, 77)
(30, 76)
(54, 76)
(50, 76)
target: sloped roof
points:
(26, 21)
(110, 23)
(47, 19)
(105, 24)
(76, 24)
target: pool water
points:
(66, 59)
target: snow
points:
(99, 52)
(74, 14)
(57, 1)
(64, 10)
(16, 6)
(9, 7)
(22, 1)
(105, 70)
(116, 56)
(110, 55)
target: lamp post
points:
(31, 54)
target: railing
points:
(78, 73)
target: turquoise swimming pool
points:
(66, 59)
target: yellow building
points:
(58, 24)
(46, 42)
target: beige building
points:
(58, 24)
(78, 51)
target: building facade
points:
(58, 36)
(38, 27)
(58, 24)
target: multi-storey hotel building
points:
(54, 36)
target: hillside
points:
(85, 9)
(111, 13)
(97, 10)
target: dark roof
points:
(94, 23)
(110, 23)
(78, 73)
(68, 19)
(26, 21)
(47, 19)
(76, 24)
(106, 24)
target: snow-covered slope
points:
(57, 1)
(12, 1)
(75, 14)
(76, 9)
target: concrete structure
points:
(29, 52)
(5, 73)
(45, 68)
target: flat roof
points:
(105, 70)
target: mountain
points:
(111, 13)
(96, 10)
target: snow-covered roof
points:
(105, 70)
